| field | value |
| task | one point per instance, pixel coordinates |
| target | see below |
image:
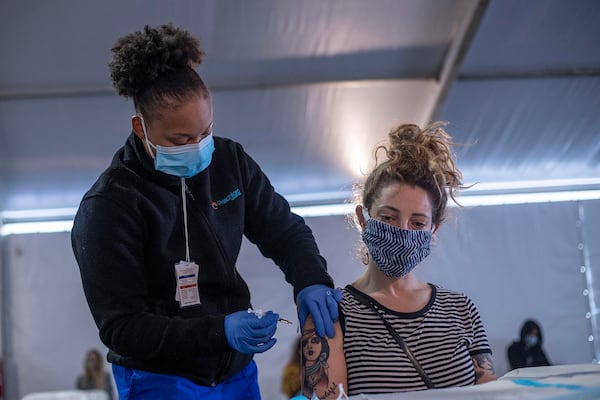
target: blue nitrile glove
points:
(321, 302)
(247, 333)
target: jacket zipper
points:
(224, 360)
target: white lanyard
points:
(185, 221)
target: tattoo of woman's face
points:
(311, 348)
(315, 354)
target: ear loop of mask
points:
(365, 213)
(365, 255)
(183, 196)
(148, 144)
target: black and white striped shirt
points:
(442, 336)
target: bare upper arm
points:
(484, 368)
(323, 364)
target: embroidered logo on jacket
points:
(231, 196)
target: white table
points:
(558, 382)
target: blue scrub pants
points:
(133, 384)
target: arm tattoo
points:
(483, 366)
(315, 354)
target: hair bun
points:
(404, 141)
(140, 58)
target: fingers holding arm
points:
(320, 302)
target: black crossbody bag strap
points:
(368, 302)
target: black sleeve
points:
(280, 234)
(108, 243)
(515, 357)
(544, 359)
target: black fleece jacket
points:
(129, 233)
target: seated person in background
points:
(290, 378)
(395, 332)
(528, 352)
(94, 376)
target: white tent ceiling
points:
(310, 86)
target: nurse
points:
(158, 235)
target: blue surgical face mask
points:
(183, 161)
(531, 340)
(394, 250)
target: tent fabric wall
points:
(47, 325)
(511, 122)
(515, 262)
(589, 215)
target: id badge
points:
(186, 274)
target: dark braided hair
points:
(156, 68)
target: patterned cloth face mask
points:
(183, 161)
(394, 250)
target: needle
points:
(259, 314)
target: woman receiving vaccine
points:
(397, 333)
